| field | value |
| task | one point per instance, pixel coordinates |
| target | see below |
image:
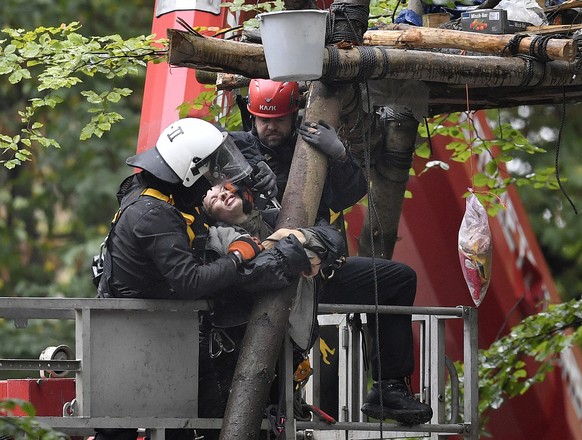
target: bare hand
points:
(279, 234)
(315, 266)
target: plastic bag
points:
(523, 10)
(475, 249)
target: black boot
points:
(398, 404)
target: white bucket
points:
(294, 43)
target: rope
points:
(332, 64)
(558, 152)
(372, 209)
(544, 66)
(367, 63)
(400, 159)
(538, 47)
(342, 14)
(345, 23)
(528, 70)
(389, 114)
(513, 45)
(472, 128)
(385, 63)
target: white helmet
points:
(188, 149)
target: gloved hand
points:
(275, 268)
(244, 248)
(265, 180)
(323, 137)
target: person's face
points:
(274, 132)
(224, 205)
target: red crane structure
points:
(520, 286)
(521, 281)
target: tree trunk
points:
(309, 167)
(255, 368)
(299, 209)
(393, 156)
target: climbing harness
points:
(101, 263)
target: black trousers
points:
(357, 282)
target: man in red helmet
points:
(271, 143)
(274, 106)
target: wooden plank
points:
(554, 29)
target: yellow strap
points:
(189, 220)
(158, 195)
(333, 216)
(170, 199)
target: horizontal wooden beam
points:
(434, 38)
(493, 81)
(447, 99)
(455, 98)
(405, 36)
(363, 63)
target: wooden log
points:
(380, 229)
(434, 38)
(451, 98)
(188, 50)
(222, 81)
(216, 55)
(404, 36)
(566, 5)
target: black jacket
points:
(152, 255)
(345, 182)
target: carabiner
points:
(224, 342)
(214, 337)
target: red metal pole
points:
(167, 87)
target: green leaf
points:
(113, 97)
(491, 168)
(423, 150)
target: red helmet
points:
(272, 99)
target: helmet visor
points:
(227, 163)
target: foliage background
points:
(56, 209)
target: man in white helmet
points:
(157, 244)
